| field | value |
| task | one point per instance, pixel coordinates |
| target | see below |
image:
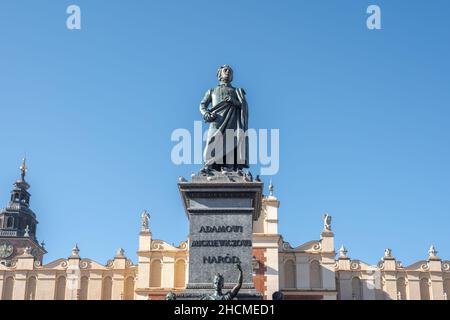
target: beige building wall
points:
(308, 271)
(390, 280)
(62, 278)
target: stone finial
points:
(387, 253)
(75, 252)
(42, 244)
(145, 217)
(271, 188)
(327, 222)
(181, 179)
(432, 253)
(27, 231)
(120, 253)
(343, 252)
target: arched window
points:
(1, 222)
(128, 289)
(30, 293)
(60, 293)
(356, 289)
(107, 288)
(424, 289)
(290, 275)
(8, 289)
(315, 274)
(84, 285)
(401, 289)
(155, 274)
(10, 222)
(180, 267)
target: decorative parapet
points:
(314, 246)
(446, 266)
(355, 265)
(160, 245)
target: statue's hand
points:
(209, 117)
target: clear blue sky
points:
(363, 116)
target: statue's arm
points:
(244, 106)
(205, 103)
(238, 286)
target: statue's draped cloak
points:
(230, 115)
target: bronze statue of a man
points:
(225, 109)
(218, 286)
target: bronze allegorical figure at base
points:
(218, 286)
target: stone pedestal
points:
(221, 209)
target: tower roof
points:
(20, 197)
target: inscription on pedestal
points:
(221, 216)
(217, 243)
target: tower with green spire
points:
(18, 223)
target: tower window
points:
(10, 222)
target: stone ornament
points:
(84, 264)
(432, 252)
(327, 222)
(158, 245)
(75, 251)
(425, 266)
(270, 188)
(388, 253)
(317, 246)
(27, 231)
(354, 265)
(145, 218)
(343, 252)
(120, 253)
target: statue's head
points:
(225, 74)
(218, 281)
